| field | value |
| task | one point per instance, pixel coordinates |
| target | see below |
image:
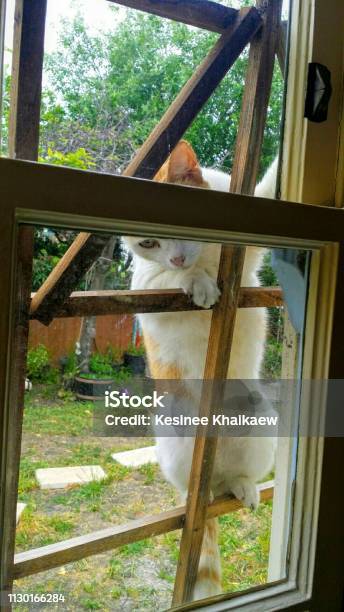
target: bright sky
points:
(97, 13)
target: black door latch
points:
(319, 90)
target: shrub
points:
(38, 365)
(101, 365)
(105, 365)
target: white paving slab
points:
(136, 457)
(20, 508)
(60, 478)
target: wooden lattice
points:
(261, 27)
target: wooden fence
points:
(61, 335)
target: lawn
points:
(139, 576)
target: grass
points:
(272, 364)
(149, 471)
(89, 495)
(136, 548)
(136, 576)
(27, 480)
(56, 418)
(244, 544)
(38, 529)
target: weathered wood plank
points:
(255, 100)
(6, 505)
(100, 303)
(216, 367)
(83, 199)
(11, 447)
(204, 14)
(158, 145)
(260, 297)
(54, 555)
(66, 274)
(26, 85)
(243, 180)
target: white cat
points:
(176, 345)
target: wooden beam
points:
(54, 555)
(216, 367)
(243, 180)
(82, 199)
(66, 274)
(158, 146)
(100, 303)
(26, 84)
(260, 297)
(204, 14)
(6, 503)
(255, 100)
(11, 446)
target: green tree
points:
(113, 88)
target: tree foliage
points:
(106, 92)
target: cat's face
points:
(182, 167)
(171, 254)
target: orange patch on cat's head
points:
(182, 167)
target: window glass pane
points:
(75, 363)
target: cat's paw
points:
(246, 491)
(203, 290)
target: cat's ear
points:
(183, 165)
(162, 174)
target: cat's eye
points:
(150, 243)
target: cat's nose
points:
(178, 261)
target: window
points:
(33, 193)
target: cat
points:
(176, 345)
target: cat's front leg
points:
(202, 289)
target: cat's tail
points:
(209, 571)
